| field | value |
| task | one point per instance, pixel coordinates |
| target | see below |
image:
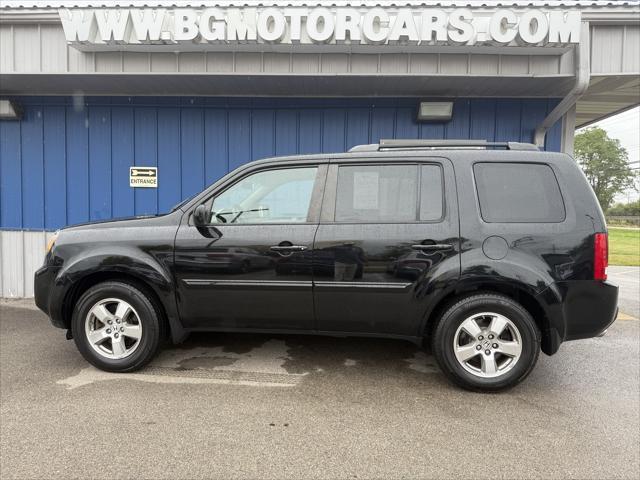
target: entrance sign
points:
(109, 28)
(146, 177)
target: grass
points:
(624, 246)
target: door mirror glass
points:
(270, 196)
(201, 215)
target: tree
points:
(604, 162)
(630, 209)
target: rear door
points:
(388, 240)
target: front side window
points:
(270, 196)
(518, 193)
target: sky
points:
(625, 127)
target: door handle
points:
(433, 247)
(288, 248)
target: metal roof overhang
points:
(286, 85)
(606, 96)
(608, 93)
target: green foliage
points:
(630, 209)
(604, 162)
(624, 246)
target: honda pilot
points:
(489, 252)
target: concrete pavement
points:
(628, 279)
(254, 406)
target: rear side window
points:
(372, 193)
(389, 193)
(431, 193)
(518, 193)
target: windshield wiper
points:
(240, 213)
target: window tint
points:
(386, 193)
(272, 196)
(431, 193)
(518, 192)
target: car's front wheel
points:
(116, 327)
(486, 342)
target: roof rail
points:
(435, 144)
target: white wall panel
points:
(12, 263)
(276, 62)
(394, 63)
(305, 63)
(6, 48)
(631, 60)
(606, 48)
(192, 62)
(21, 254)
(545, 64)
(26, 44)
(514, 64)
(248, 62)
(135, 62)
(363, 63)
(80, 62)
(163, 62)
(54, 57)
(485, 64)
(451, 64)
(335, 63)
(33, 251)
(424, 63)
(109, 62)
(219, 62)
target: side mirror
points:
(201, 216)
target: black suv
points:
(491, 252)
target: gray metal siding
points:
(615, 49)
(32, 48)
(21, 254)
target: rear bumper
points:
(577, 309)
(589, 309)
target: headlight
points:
(52, 241)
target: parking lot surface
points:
(628, 279)
(255, 406)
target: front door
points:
(387, 241)
(250, 267)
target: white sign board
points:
(145, 177)
(109, 28)
(365, 190)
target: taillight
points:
(600, 256)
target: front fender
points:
(111, 261)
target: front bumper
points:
(44, 293)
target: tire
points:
(142, 320)
(490, 368)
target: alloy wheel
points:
(487, 344)
(113, 328)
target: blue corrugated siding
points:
(67, 162)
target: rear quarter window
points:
(518, 193)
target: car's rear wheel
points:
(486, 342)
(116, 327)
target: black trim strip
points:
(387, 285)
(197, 282)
